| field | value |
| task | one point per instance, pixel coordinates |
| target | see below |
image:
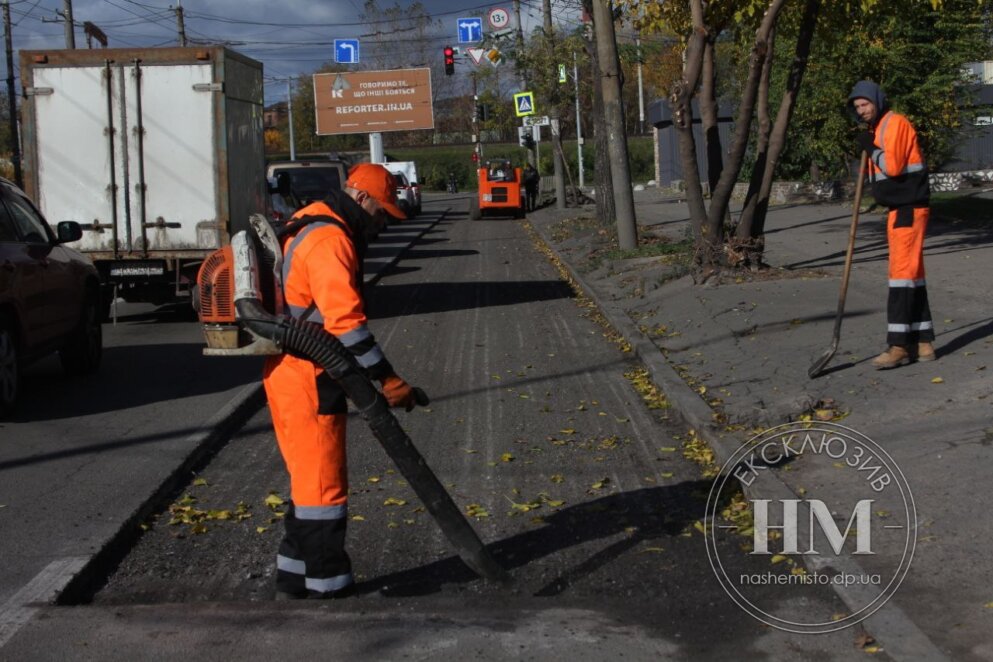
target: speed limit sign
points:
(498, 18)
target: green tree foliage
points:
(916, 56)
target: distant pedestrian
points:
(899, 178)
(453, 185)
(532, 182)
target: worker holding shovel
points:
(899, 178)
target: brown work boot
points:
(925, 351)
(891, 358)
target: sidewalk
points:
(742, 349)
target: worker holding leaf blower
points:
(322, 261)
(899, 178)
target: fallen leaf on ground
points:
(937, 380)
(358, 518)
(261, 529)
(393, 501)
(507, 457)
(556, 478)
(200, 482)
(274, 500)
(372, 479)
(476, 510)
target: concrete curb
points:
(206, 442)
(899, 635)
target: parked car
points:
(309, 181)
(409, 170)
(49, 295)
(406, 199)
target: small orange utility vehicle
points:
(501, 191)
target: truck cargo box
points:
(157, 152)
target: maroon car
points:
(49, 295)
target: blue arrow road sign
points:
(346, 51)
(470, 30)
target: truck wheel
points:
(83, 350)
(519, 212)
(10, 376)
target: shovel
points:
(818, 367)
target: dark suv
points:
(49, 295)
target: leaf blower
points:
(240, 305)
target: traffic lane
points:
(80, 454)
(90, 451)
(536, 431)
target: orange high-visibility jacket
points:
(897, 169)
(322, 284)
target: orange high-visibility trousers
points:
(312, 556)
(907, 311)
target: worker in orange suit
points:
(899, 178)
(322, 283)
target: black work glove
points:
(865, 142)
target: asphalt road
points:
(76, 449)
(579, 488)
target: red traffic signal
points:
(449, 60)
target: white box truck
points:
(157, 152)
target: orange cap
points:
(377, 181)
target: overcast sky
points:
(290, 37)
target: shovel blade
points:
(818, 366)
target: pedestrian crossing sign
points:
(524, 103)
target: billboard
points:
(373, 101)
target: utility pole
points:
(15, 144)
(554, 112)
(579, 124)
(180, 24)
(289, 112)
(610, 83)
(532, 153)
(70, 27)
(641, 91)
(476, 135)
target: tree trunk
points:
(605, 209)
(708, 116)
(737, 254)
(721, 196)
(751, 230)
(680, 99)
(613, 111)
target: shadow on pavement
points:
(648, 514)
(424, 298)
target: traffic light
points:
(527, 140)
(482, 112)
(449, 60)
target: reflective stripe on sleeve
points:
(355, 336)
(321, 512)
(908, 282)
(370, 358)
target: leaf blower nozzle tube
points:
(313, 342)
